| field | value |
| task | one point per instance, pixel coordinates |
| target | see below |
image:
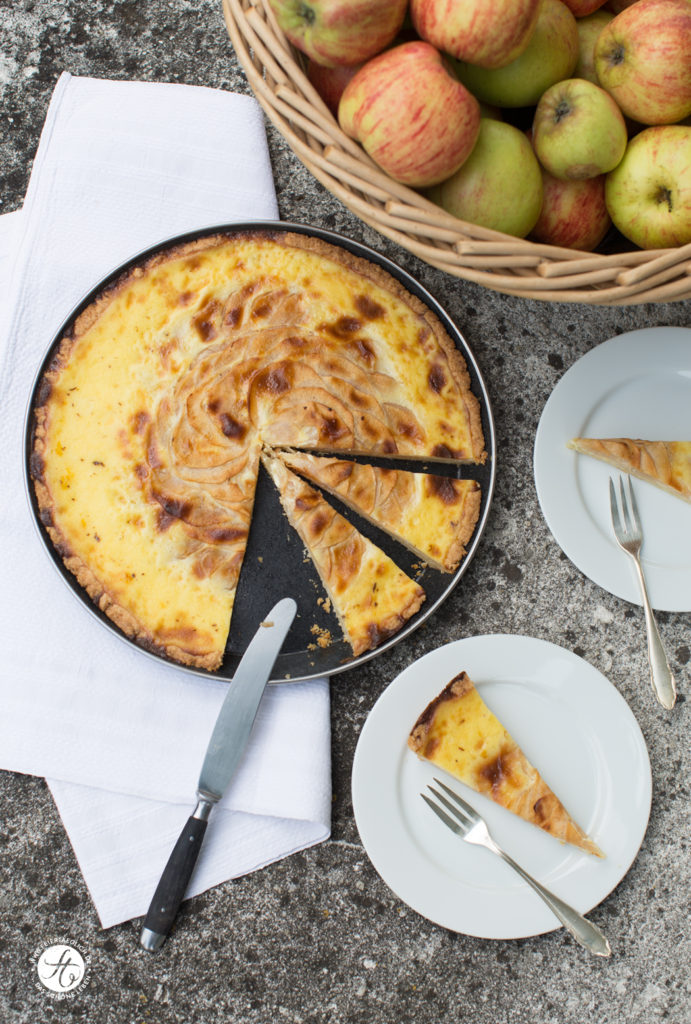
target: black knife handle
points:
(171, 888)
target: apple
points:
(409, 112)
(330, 82)
(490, 33)
(643, 58)
(582, 8)
(334, 32)
(649, 194)
(574, 213)
(500, 184)
(589, 29)
(578, 130)
(550, 56)
(617, 6)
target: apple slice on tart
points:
(667, 464)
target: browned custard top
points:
(152, 417)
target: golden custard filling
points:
(151, 418)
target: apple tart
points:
(667, 464)
(150, 418)
(458, 733)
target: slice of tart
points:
(432, 515)
(459, 733)
(667, 464)
(370, 595)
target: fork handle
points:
(583, 931)
(660, 672)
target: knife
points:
(226, 746)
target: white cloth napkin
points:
(121, 737)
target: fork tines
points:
(627, 501)
(464, 816)
(469, 811)
(629, 531)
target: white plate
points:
(635, 385)
(578, 732)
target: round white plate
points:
(635, 385)
(578, 732)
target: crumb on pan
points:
(323, 636)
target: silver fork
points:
(629, 537)
(467, 823)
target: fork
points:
(629, 537)
(467, 823)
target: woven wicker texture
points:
(275, 72)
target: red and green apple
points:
(490, 34)
(411, 114)
(339, 31)
(578, 130)
(649, 194)
(574, 213)
(643, 58)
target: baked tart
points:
(150, 419)
(370, 595)
(434, 516)
(667, 464)
(458, 733)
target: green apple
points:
(643, 58)
(549, 57)
(578, 130)
(490, 33)
(335, 32)
(589, 28)
(413, 117)
(500, 184)
(574, 213)
(649, 194)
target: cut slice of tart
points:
(459, 733)
(370, 595)
(434, 516)
(667, 464)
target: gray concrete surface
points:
(319, 937)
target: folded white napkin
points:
(121, 737)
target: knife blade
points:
(225, 749)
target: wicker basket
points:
(275, 72)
